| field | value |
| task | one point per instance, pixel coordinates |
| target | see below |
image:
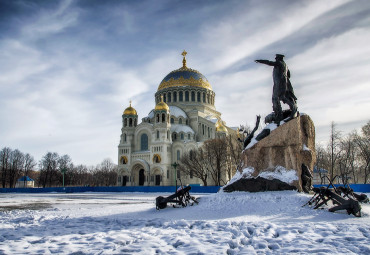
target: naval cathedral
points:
(183, 118)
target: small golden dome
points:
(161, 106)
(130, 110)
(220, 127)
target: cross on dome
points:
(184, 60)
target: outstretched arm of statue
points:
(266, 62)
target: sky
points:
(68, 69)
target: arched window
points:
(175, 96)
(164, 98)
(125, 138)
(174, 136)
(204, 97)
(157, 117)
(135, 123)
(180, 96)
(157, 134)
(163, 117)
(125, 123)
(187, 122)
(144, 142)
(189, 137)
(130, 122)
(169, 97)
(198, 97)
(172, 120)
(186, 96)
(178, 155)
(180, 121)
(192, 96)
(182, 136)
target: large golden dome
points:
(162, 106)
(130, 110)
(184, 76)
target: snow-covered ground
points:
(128, 223)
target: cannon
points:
(343, 198)
(181, 198)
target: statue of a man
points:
(282, 90)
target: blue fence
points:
(361, 188)
(161, 189)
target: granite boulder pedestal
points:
(288, 150)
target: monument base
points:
(291, 146)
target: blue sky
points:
(69, 68)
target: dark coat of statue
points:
(282, 90)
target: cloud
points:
(69, 68)
(240, 36)
(50, 21)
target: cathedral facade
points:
(183, 118)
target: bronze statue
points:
(282, 90)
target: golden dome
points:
(130, 110)
(161, 106)
(220, 127)
(184, 76)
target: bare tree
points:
(334, 149)
(347, 160)
(17, 162)
(5, 165)
(49, 174)
(215, 154)
(194, 164)
(29, 165)
(234, 154)
(322, 162)
(363, 145)
(65, 166)
(105, 174)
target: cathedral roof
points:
(177, 112)
(184, 76)
(178, 128)
(130, 110)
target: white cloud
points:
(238, 37)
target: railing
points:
(162, 189)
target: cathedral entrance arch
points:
(157, 176)
(124, 180)
(157, 180)
(141, 177)
(140, 172)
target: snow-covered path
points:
(127, 223)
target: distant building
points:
(183, 118)
(25, 182)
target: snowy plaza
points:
(222, 223)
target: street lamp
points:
(175, 165)
(63, 172)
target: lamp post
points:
(175, 165)
(63, 172)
